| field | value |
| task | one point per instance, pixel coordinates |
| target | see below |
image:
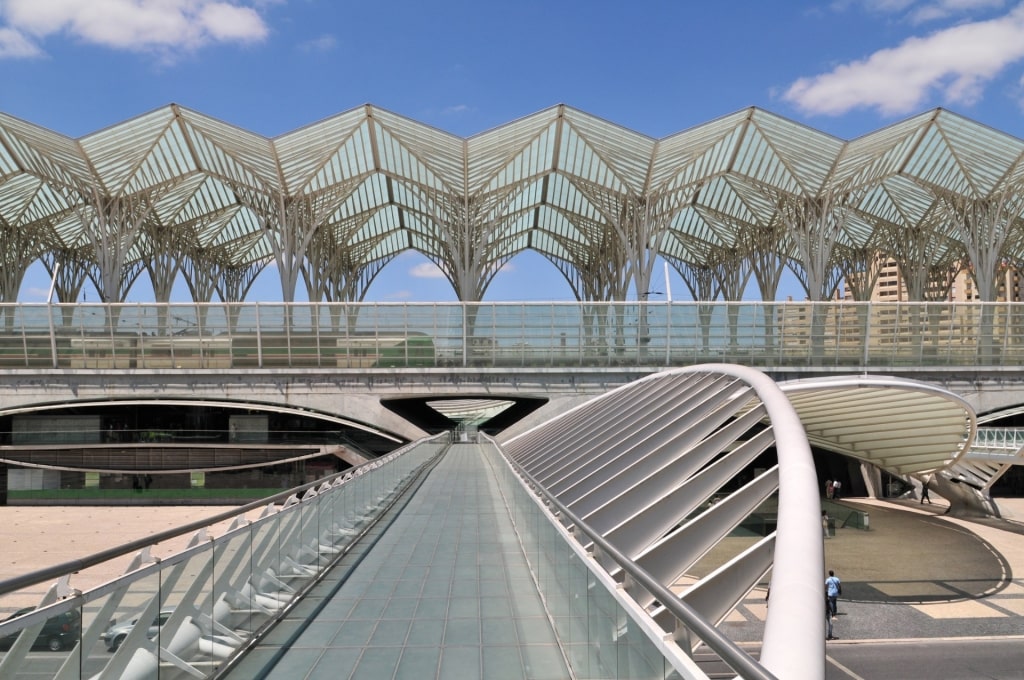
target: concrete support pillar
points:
(872, 480)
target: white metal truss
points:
(664, 470)
(668, 468)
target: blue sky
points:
(847, 67)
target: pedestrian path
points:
(445, 593)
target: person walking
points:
(836, 486)
(833, 589)
(924, 494)
(828, 489)
(824, 524)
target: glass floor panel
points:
(443, 594)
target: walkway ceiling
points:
(350, 192)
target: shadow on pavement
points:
(914, 558)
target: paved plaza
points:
(918, 574)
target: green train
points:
(241, 350)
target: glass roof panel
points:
(698, 153)
(69, 232)
(8, 166)
(25, 199)
(628, 153)
(330, 151)
(563, 194)
(232, 152)
(534, 159)
(491, 151)
(373, 224)
(880, 154)
(398, 160)
(934, 163)
(733, 199)
(140, 153)
(443, 153)
(757, 161)
(985, 155)
(45, 154)
(576, 157)
(193, 199)
(808, 154)
(557, 223)
(547, 244)
(388, 245)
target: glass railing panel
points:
(638, 659)
(269, 583)
(187, 623)
(233, 561)
(520, 335)
(604, 623)
(128, 620)
(573, 626)
(596, 633)
(552, 567)
(38, 641)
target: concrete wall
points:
(356, 394)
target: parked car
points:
(59, 632)
(118, 630)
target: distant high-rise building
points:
(890, 285)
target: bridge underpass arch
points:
(178, 444)
(490, 413)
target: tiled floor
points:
(445, 593)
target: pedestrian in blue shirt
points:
(833, 589)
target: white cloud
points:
(956, 62)
(918, 12)
(426, 270)
(16, 45)
(35, 294)
(944, 9)
(323, 43)
(134, 25)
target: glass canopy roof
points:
(339, 197)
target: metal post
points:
(259, 338)
(867, 335)
(49, 314)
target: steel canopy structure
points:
(175, 192)
(902, 426)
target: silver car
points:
(118, 630)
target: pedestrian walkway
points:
(446, 593)
(917, 574)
